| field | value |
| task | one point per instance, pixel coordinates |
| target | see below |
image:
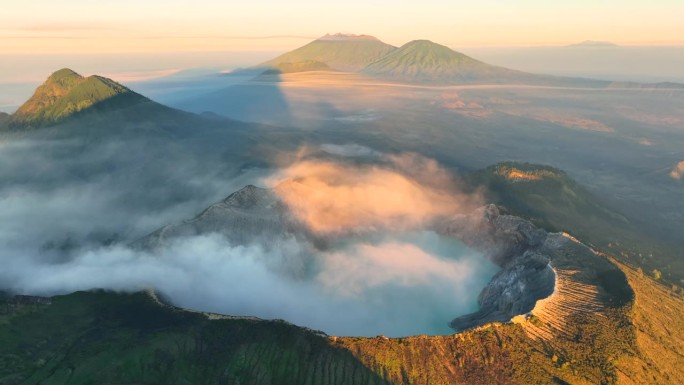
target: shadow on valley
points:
(257, 100)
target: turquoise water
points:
(404, 284)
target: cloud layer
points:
(68, 209)
(406, 192)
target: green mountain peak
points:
(66, 93)
(425, 61)
(64, 75)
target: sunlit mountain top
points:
(66, 93)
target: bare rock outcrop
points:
(516, 245)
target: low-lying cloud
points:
(68, 210)
(405, 192)
(393, 288)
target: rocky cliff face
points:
(517, 247)
(535, 266)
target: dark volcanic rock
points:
(517, 246)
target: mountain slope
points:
(546, 195)
(340, 52)
(66, 93)
(250, 215)
(425, 61)
(552, 200)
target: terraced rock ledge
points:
(544, 277)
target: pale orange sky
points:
(106, 26)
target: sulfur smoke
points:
(384, 273)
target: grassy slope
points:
(658, 316)
(106, 338)
(56, 86)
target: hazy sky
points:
(80, 26)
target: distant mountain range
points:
(418, 61)
(342, 52)
(594, 43)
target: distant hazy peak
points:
(342, 52)
(425, 61)
(347, 37)
(594, 43)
